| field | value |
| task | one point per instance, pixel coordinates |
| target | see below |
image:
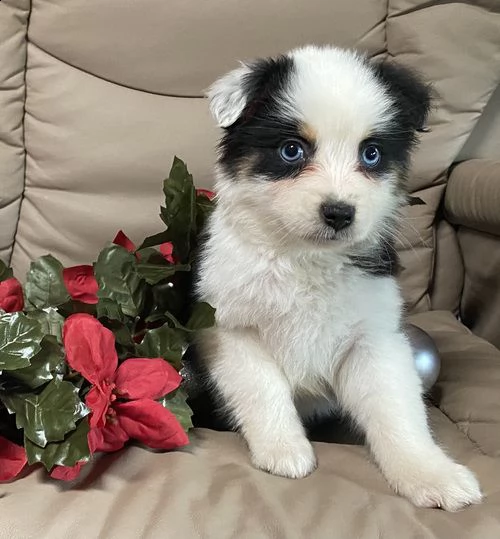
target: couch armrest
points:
(472, 197)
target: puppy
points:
(299, 263)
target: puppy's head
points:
(316, 144)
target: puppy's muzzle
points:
(338, 215)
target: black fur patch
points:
(381, 261)
(412, 102)
(411, 94)
(395, 147)
(254, 140)
(203, 398)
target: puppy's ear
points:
(412, 95)
(228, 96)
(249, 88)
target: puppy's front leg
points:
(379, 386)
(260, 401)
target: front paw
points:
(293, 458)
(443, 483)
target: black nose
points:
(338, 215)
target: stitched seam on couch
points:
(26, 39)
(115, 83)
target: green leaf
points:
(151, 255)
(156, 239)
(5, 272)
(20, 340)
(119, 280)
(176, 403)
(74, 448)
(51, 322)
(166, 342)
(44, 366)
(180, 208)
(44, 284)
(47, 416)
(204, 207)
(202, 317)
(179, 172)
(108, 308)
(154, 273)
(121, 332)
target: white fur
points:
(294, 318)
(227, 98)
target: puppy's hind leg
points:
(259, 398)
(380, 387)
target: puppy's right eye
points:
(292, 151)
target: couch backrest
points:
(102, 94)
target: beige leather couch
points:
(96, 96)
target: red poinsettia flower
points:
(67, 473)
(81, 283)
(11, 295)
(167, 250)
(205, 192)
(12, 459)
(124, 241)
(122, 398)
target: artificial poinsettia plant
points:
(91, 356)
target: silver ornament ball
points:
(425, 355)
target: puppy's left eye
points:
(292, 151)
(370, 156)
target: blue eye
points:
(292, 151)
(371, 156)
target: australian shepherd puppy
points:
(300, 261)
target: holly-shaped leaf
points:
(74, 448)
(47, 416)
(166, 342)
(5, 272)
(204, 207)
(179, 212)
(154, 273)
(110, 309)
(44, 284)
(119, 280)
(179, 172)
(155, 239)
(202, 317)
(121, 331)
(176, 403)
(20, 339)
(51, 322)
(47, 363)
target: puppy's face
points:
(316, 144)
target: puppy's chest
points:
(313, 326)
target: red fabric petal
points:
(140, 378)
(205, 192)
(167, 249)
(81, 283)
(12, 459)
(122, 240)
(108, 439)
(149, 422)
(67, 473)
(11, 295)
(98, 400)
(90, 348)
